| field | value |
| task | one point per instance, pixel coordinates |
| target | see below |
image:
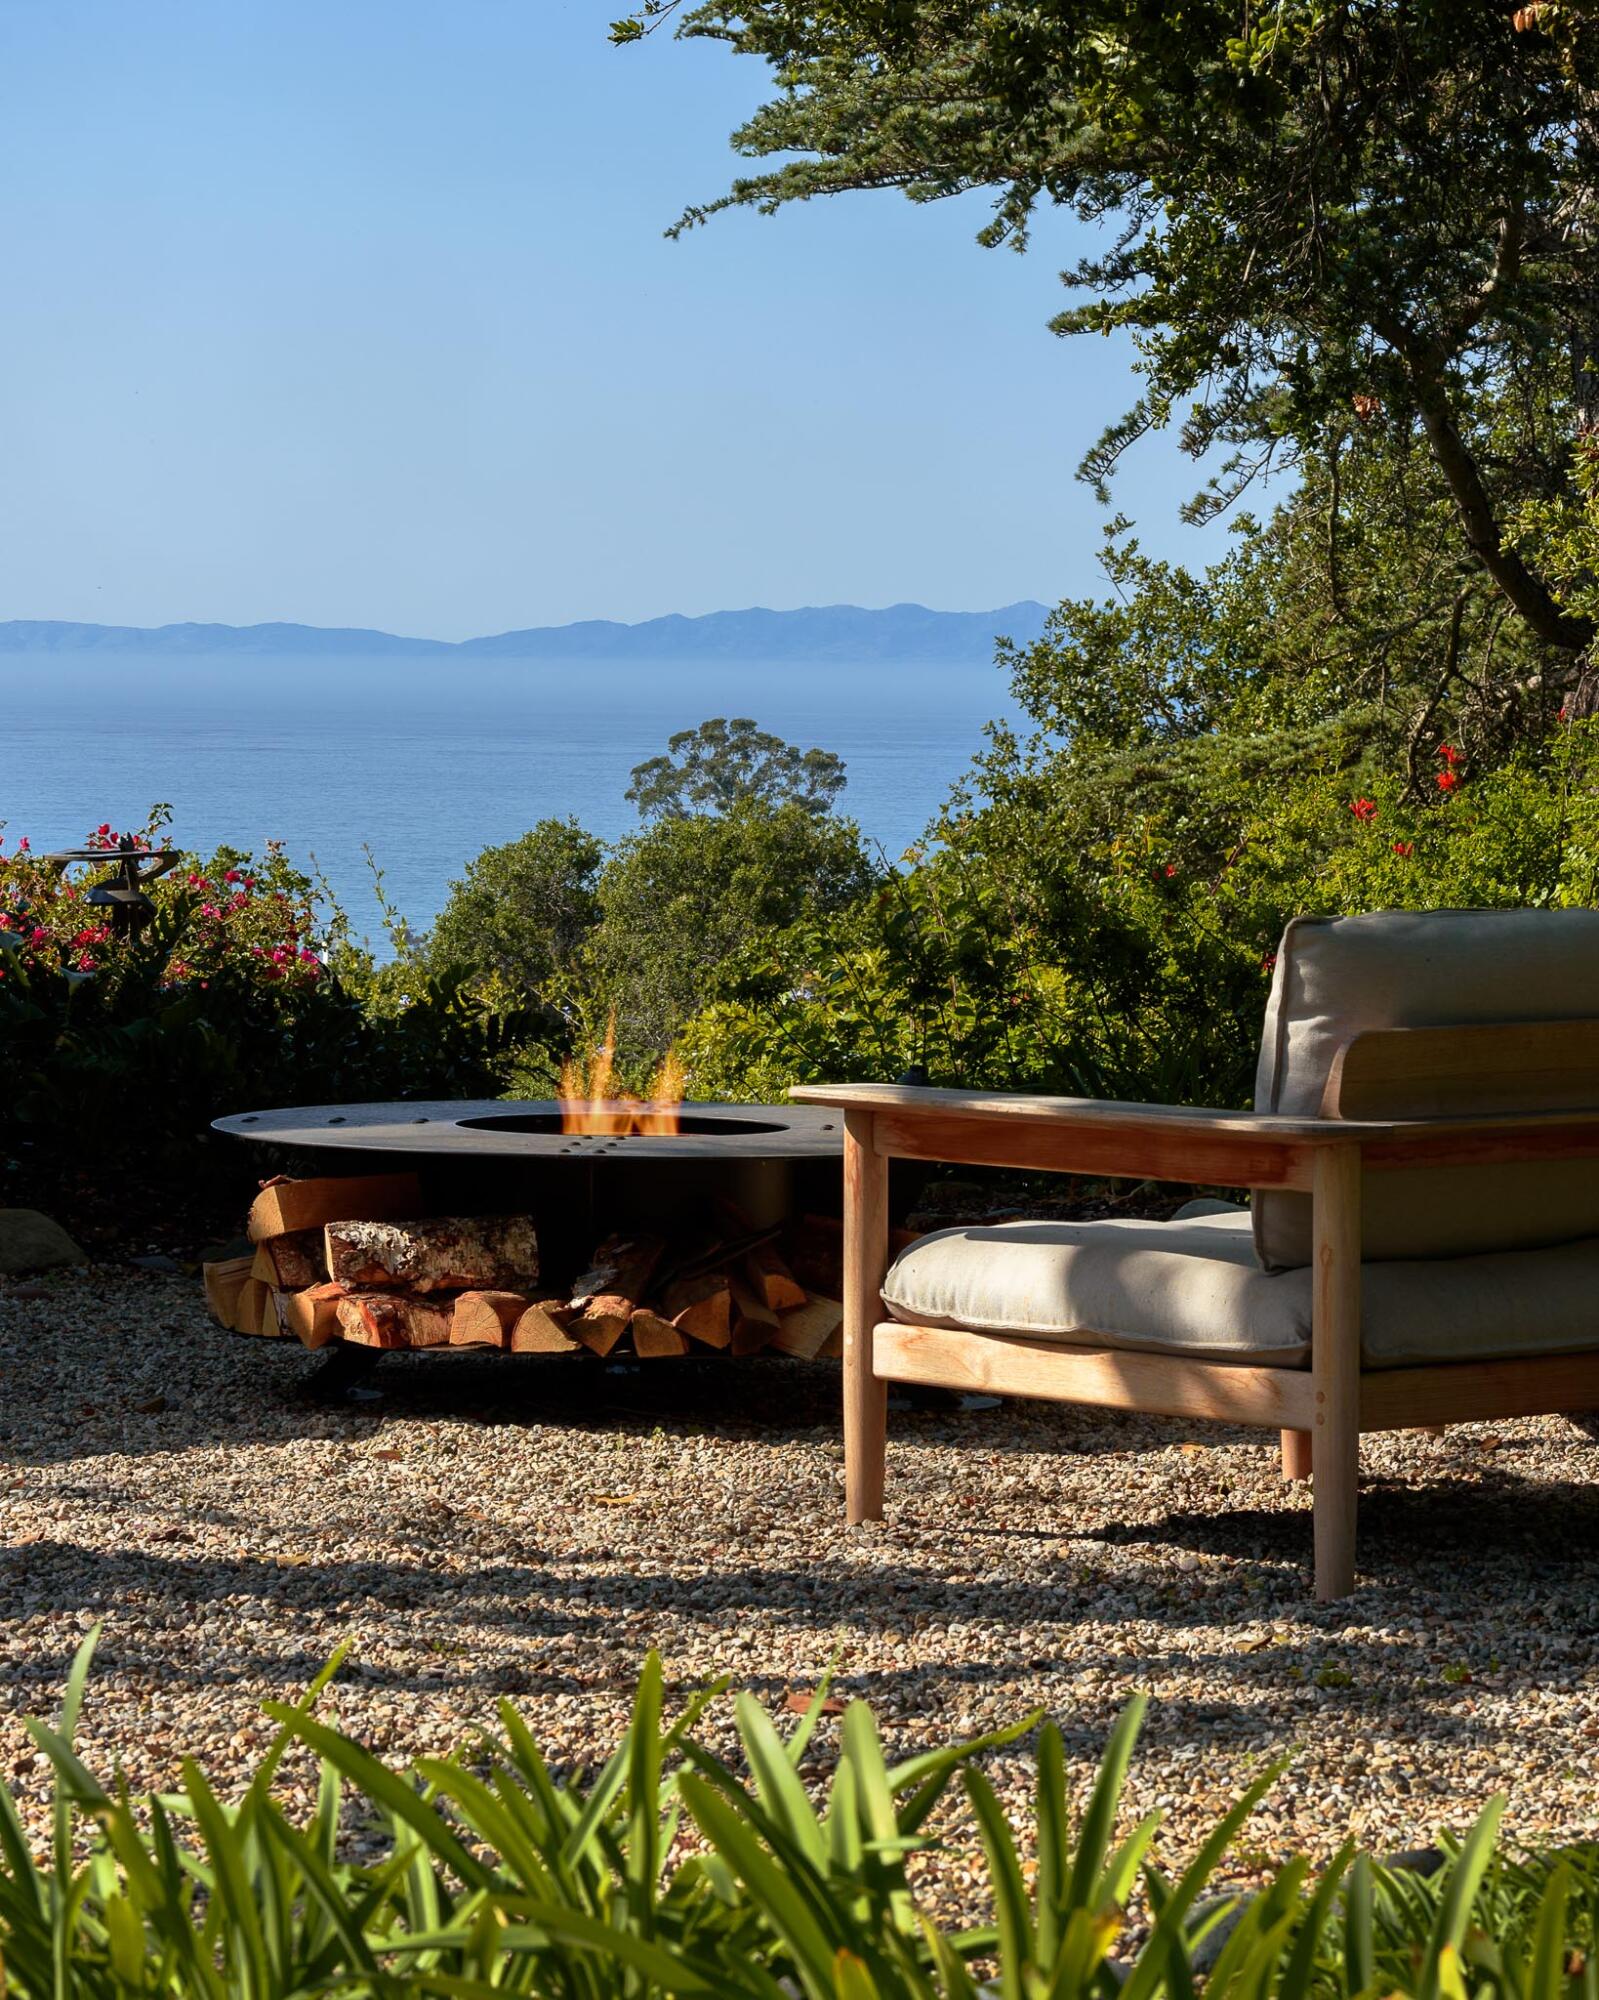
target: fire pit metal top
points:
(491, 1128)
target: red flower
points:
(1448, 781)
(1363, 808)
(22, 845)
(1268, 962)
(1449, 754)
(1404, 849)
(233, 875)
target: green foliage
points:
(1302, 210)
(242, 991)
(521, 914)
(692, 894)
(671, 1873)
(724, 764)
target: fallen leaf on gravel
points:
(388, 1452)
(295, 1559)
(613, 1499)
(1190, 1450)
(1254, 1645)
(152, 1406)
(1491, 1443)
(798, 1703)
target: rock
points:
(30, 1241)
(1416, 1860)
(156, 1261)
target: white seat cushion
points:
(1194, 1286)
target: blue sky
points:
(361, 313)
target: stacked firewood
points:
(397, 1278)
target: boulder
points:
(30, 1241)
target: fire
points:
(589, 1100)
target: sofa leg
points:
(865, 1265)
(1296, 1454)
(1335, 1366)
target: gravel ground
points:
(528, 1527)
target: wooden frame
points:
(1319, 1411)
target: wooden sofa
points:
(1422, 1245)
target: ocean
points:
(427, 762)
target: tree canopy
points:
(1309, 213)
(724, 764)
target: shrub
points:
(243, 990)
(668, 1872)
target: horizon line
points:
(517, 631)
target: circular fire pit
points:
(478, 1156)
(488, 1128)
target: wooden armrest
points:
(1183, 1143)
(1083, 1135)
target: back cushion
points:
(1337, 976)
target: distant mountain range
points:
(905, 633)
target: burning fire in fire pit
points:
(589, 1102)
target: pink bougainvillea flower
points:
(233, 875)
(22, 845)
(1363, 808)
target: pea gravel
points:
(528, 1526)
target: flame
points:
(589, 1102)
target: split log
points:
(312, 1316)
(485, 1319)
(654, 1336)
(702, 1308)
(291, 1263)
(804, 1332)
(605, 1298)
(815, 1247)
(772, 1279)
(395, 1319)
(542, 1329)
(224, 1280)
(247, 1306)
(445, 1253)
(755, 1325)
(285, 1207)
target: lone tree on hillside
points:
(1306, 208)
(723, 764)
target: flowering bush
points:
(243, 989)
(231, 913)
